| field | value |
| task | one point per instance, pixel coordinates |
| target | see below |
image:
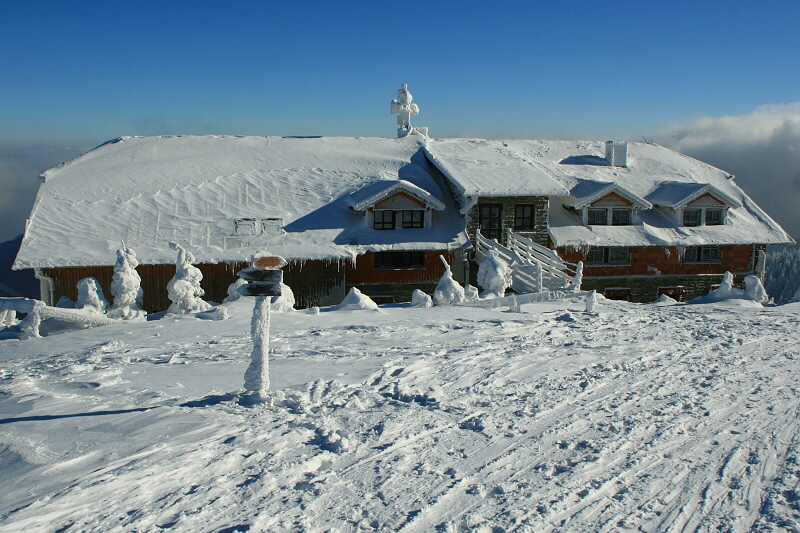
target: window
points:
(399, 260)
(701, 254)
(608, 256)
(384, 220)
(597, 217)
(713, 217)
(490, 223)
(413, 219)
(523, 218)
(691, 217)
(620, 217)
(246, 226)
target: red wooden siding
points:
(363, 271)
(645, 260)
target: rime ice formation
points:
(402, 105)
(285, 302)
(90, 296)
(184, 289)
(356, 300)
(448, 291)
(754, 290)
(420, 299)
(494, 275)
(591, 301)
(233, 291)
(726, 291)
(126, 287)
(470, 293)
(256, 377)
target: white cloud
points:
(762, 149)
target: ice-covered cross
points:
(402, 105)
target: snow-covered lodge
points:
(376, 213)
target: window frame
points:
(520, 220)
(411, 223)
(592, 214)
(692, 211)
(702, 255)
(396, 260)
(605, 255)
(628, 216)
(719, 212)
(486, 231)
(383, 223)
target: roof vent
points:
(617, 153)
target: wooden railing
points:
(534, 267)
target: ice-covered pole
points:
(264, 279)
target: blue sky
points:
(75, 74)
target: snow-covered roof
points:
(294, 193)
(677, 194)
(292, 196)
(649, 166)
(375, 192)
(589, 191)
(490, 169)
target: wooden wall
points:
(644, 261)
(311, 281)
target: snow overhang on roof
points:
(676, 194)
(489, 169)
(373, 193)
(587, 192)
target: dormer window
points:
(620, 217)
(384, 220)
(393, 204)
(713, 217)
(413, 219)
(597, 217)
(692, 217)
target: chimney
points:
(617, 153)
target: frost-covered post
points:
(264, 277)
(578, 279)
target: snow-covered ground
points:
(634, 418)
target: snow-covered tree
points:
(494, 275)
(90, 296)
(448, 291)
(470, 293)
(126, 287)
(184, 289)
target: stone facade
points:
(648, 288)
(540, 206)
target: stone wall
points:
(541, 208)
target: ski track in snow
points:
(637, 418)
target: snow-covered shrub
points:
(782, 276)
(90, 296)
(126, 287)
(494, 275)
(470, 293)
(233, 291)
(448, 291)
(285, 302)
(420, 299)
(184, 289)
(355, 300)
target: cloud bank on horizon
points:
(761, 148)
